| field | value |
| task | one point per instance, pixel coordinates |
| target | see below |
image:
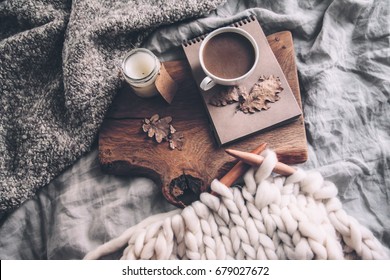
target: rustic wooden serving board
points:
(124, 148)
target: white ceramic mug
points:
(212, 79)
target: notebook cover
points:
(228, 124)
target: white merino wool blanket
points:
(270, 217)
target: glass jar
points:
(140, 67)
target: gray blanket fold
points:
(58, 75)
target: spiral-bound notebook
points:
(228, 124)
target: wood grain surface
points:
(124, 149)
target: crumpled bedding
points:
(343, 58)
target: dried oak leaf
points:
(226, 96)
(264, 91)
(176, 140)
(157, 128)
(172, 129)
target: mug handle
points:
(207, 83)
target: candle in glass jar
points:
(140, 68)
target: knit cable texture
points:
(270, 217)
(58, 75)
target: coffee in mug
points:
(228, 56)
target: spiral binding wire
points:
(246, 20)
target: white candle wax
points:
(140, 68)
(139, 65)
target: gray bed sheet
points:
(343, 58)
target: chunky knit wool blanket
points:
(58, 76)
(270, 217)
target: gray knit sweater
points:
(58, 76)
